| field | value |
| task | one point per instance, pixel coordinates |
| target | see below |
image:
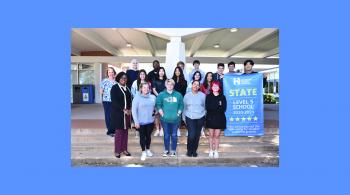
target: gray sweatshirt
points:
(142, 109)
(194, 105)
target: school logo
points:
(236, 81)
(241, 81)
(170, 99)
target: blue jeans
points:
(107, 106)
(170, 131)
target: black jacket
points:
(181, 87)
(118, 105)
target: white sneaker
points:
(173, 154)
(165, 154)
(203, 134)
(156, 133)
(149, 153)
(178, 132)
(161, 132)
(143, 156)
(211, 154)
(186, 133)
(216, 154)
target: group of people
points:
(155, 102)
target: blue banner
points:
(245, 106)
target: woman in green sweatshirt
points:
(169, 104)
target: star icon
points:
(243, 119)
(255, 118)
(231, 119)
(237, 119)
(249, 118)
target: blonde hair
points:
(170, 81)
(142, 84)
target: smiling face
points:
(156, 65)
(195, 86)
(209, 77)
(215, 88)
(221, 70)
(123, 80)
(110, 73)
(169, 86)
(197, 76)
(196, 66)
(248, 67)
(142, 76)
(134, 64)
(231, 68)
(144, 88)
(161, 73)
(177, 72)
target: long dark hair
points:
(194, 74)
(181, 77)
(164, 77)
(205, 84)
(139, 79)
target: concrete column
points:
(98, 73)
(175, 51)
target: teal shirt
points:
(171, 104)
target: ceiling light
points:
(128, 45)
(216, 46)
(234, 29)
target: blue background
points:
(35, 94)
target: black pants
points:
(194, 127)
(145, 135)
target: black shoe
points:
(126, 153)
(117, 156)
(194, 154)
(189, 154)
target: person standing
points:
(205, 87)
(121, 114)
(132, 72)
(180, 86)
(215, 104)
(248, 69)
(169, 104)
(181, 64)
(158, 85)
(141, 78)
(196, 64)
(219, 75)
(180, 82)
(143, 107)
(197, 76)
(105, 89)
(231, 67)
(154, 73)
(194, 110)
